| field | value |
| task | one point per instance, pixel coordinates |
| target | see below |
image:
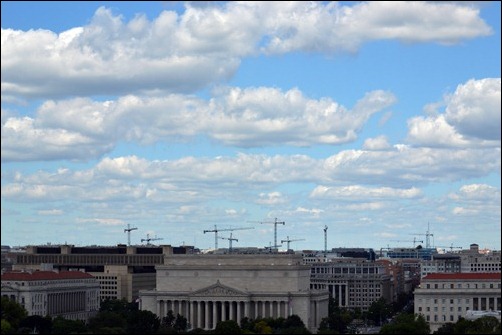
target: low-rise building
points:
(445, 297)
(73, 295)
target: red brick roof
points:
(464, 276)
(45, 275)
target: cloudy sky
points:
(375, 119)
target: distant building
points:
(473, 260)
(210, 288)
(70, 294)
(445, 297)
(416, 253)
(441, 263)
(120, 270)
(352, 282)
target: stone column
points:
(232, 314)
(346, 295)
(246, 310)
(191, 313)
(255, 309)
(206, 314)
(199, 315)
(215, 314)
(223, 311)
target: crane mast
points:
(230, 239)
(275, 223)
(325, 240)
(128, 230)
(148, 239)
(288, 241)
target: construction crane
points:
(427, 235)
(230, 239)
(128, 230)
(287, 240)
(216, 230)
(414, 241)
(148, 239)
(451, 247)
(325, 240)
(275, 223)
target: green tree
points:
(293, 325)
(227, 327)
(261, 327)
(447, 328)
(61, 325)
(6, 327)
(406, 324)
(379, 310)
(142, 322)
(112, 321)
(337, 321)
(37, 323)
(12, 312)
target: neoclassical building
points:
(210, 288)
(70, 294)
(445, 297)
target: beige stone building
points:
(70, 294)
(210, 288)
(120, 270)
(445, 297)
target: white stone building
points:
(445, 297)
(210, 288)
(73, 295)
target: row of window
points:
(443, 309)
(460, 285)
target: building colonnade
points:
(206, 313)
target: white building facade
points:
(445, 297)
(73, 295)
(207, 289)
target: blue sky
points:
(376, 119)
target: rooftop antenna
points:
(216, 230)
(128, 230)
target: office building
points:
(70, 294)
(445, 297)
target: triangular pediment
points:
(218, 290)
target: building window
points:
(451, 317)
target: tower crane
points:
(148, 239)
(451, 247)
(216, 230)
(427, 235)
(414, 241)
(128, 230)
(275, 223)
(230, 239)
(287, 240)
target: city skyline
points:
(380, 120)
